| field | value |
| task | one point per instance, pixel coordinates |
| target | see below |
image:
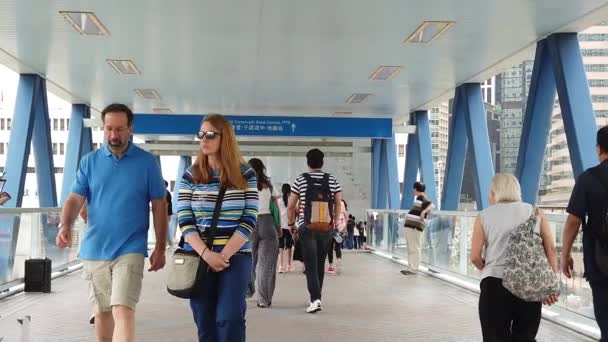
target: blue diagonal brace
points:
(457, 151)
(574, 100)
(79, 144)
(427, 169)
(537, 124)
(376, 157)
(477, 128)
(412, 162)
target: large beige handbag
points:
(188, 270)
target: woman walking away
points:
(265, 239)
(503, 316)
(339, 234)
(286, 240)
(219, 312)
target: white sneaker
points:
(314, 307)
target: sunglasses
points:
(208, 135)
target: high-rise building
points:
(559, 177)
(512, 98)
(439, 124)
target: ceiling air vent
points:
(358, 98)
(385, 72)
(149, 94)
(124, 66)
(428, 31)
(85, 23)
(162, 110)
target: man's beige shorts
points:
(114, 282)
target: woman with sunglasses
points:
(219, 313)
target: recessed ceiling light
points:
(343, 113)
(428, 31)
(162, 110)
(149, 94)
(85, 23)
(385, 72)
(123, 66)
(358, 98)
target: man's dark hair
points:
(314, 158)
(118, 108)
(602, 139)
(419, 186)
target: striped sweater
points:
(238, 213)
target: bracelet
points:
(291, 224)
(203, 254)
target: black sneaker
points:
(406, 272)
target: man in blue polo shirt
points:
(588, 206)
(118, 182)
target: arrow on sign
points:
(293, 128)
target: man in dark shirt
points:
(588, 199)
(172, 227)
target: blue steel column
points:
(412, 161)
(537, 124)
(477, 128)
(383, 178)
(184, 163)
(16, 167)
(392, 179)
(20, 138)
(427, 169)
(573, 92)
(76, 147)
(43, 151)
(457, 151)
(376, 157)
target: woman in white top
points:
(503, 316)
(286, 240)
(265, 238)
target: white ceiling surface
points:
(278, 56)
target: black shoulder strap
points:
(214, 219)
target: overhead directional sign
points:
(277, 126)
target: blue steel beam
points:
(574, 100)
(427, 169)
(477, 128)
(77, 146)
(382, 178)
(392, 179)
(537, 124)
(457, 152)
(20, 138)
(376, 157)
(412, 162)
(43, 151)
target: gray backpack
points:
(528, 274)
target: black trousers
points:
(314, 250)
(504, 317)
(334, 246)
(600, 307)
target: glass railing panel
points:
(446, 246)
(30, 233)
